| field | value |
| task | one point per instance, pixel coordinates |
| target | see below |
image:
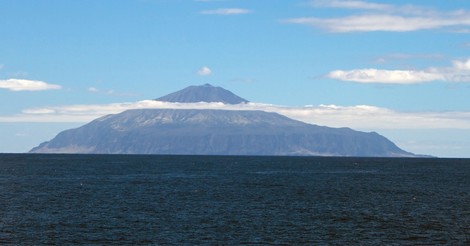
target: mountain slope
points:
(215, 132)
(203, 93)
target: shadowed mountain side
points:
(203, 93)
(215, 132)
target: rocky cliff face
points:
(215, 132)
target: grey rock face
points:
(215, 132)
(203, 93)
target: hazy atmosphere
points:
(400, 68)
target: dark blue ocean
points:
(160, 200)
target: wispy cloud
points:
(204, 71)
(377, 22)
(350, 4)
(208, 1)
(402, 56)
(226, 11)
(1, 66)
(27, 85)
(357, 117)
(458, 72)
(385, 76)
(93, 89)
(384, 17)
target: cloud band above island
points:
(356, 117)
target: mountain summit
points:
(203, 93)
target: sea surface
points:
(161, 200)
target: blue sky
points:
(400, 68)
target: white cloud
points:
(350, 4)
(384, 76)
(361, 117)
(462, 65)
(459, 72)
(226, 11)
(381, 22)
(39, 111)
(204, 71)
(27, 85)
(93, 89)
(384, 17)
(402, 56)
(375, 118)
(208, 1)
